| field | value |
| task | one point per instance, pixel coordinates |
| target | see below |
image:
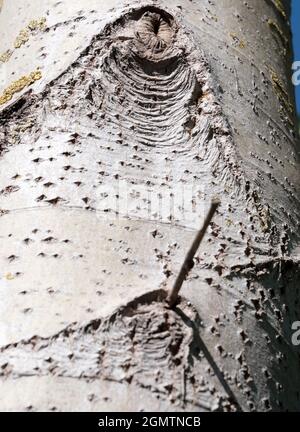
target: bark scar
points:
(155, 31)
(144, 343)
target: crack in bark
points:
(144, 342)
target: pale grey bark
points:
(156, 94)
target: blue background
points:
(296, 40)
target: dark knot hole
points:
(156, 26)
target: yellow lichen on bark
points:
(281, 92)
(239, 42)
(4, 57)
(279, 6)
(24, 35)
(19, 85)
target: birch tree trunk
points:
(120, 120)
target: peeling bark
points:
(161, 96)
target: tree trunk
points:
(121, 120)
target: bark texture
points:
(162, 95)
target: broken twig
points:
(188, 262)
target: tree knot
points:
(155, 31)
